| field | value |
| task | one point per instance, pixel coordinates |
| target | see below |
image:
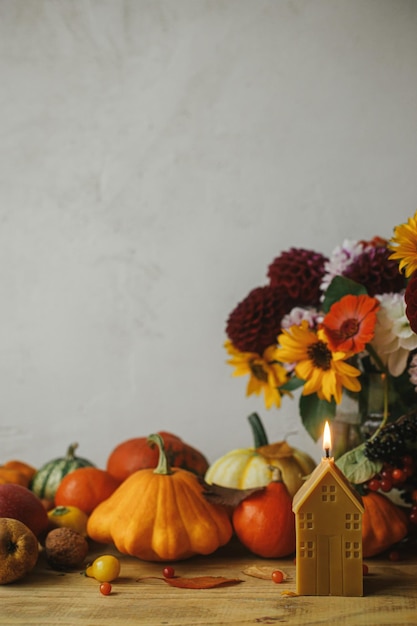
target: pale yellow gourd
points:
(246, 468)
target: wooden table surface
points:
(48, 597)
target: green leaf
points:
(339, 287)
(357, 467)
(314, 412)
(292, 384)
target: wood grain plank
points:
(49, 598)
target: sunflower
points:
(325, 372)
(404, 244)
(266, 375)
(350, 323)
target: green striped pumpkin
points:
(48, 477)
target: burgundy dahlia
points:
(256, 321)
(299, 272)
(411, 302)
(376, 272)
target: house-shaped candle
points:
(328, 513)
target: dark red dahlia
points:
(256, 321)
(376, 272)
(299, 272)
(411, 302)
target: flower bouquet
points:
(323, 325)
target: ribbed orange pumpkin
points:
(135, 454)
(383, 524)
(160, 515)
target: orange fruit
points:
(85, 488)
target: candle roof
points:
(323, 468)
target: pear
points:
(19, 550)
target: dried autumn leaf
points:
(290, 594)
(201, 582)
(264, 572)
(226, 496)
(277, 450)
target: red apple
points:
(20, 503)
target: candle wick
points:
(327, 450)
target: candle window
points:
(328, 493)
(352, 550)
(352, 521)
(307, 549)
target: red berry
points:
(398, 475)
(374, 484)
(386, 484)
(277, 576)
(105, 589)
(413, 517)
(168, 571)
(394, 555)
(408, 460)
(365, 569)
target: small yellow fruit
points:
(69, 517)
(105, 568)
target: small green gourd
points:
(46, 480)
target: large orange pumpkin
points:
(160, 514)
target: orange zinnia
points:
(350, 323)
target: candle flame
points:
(327, 438)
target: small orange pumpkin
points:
(265, 523)
(383, 524)
(160, 514)
(85, 488)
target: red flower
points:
(375, 271)
(350, 323)
(255, 323)
(299, 272)
(411, 302)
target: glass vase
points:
(346, 424)
(373, 403)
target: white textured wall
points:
(155, 156)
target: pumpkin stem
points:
(71, 451)
(163, 466)
(258, 431)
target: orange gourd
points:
(383, 524)
(16, 472)
(160, 514)
(135, 454)
(265, 523)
